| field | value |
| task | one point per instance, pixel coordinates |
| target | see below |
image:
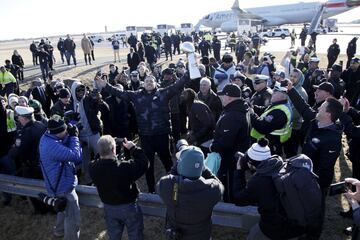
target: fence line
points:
(224, 214)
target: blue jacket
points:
(53, 152)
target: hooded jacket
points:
(260, 190)
(297, 119)
(91, 108)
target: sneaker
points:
(348, 231)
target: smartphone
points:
(339, 188)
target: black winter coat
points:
(151, 108)
(115, 179)
(260, 191)
(201, 122)
(231, 133)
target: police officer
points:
(216, 45)
(336, 81)
(26, 147)
(262, 93)
(275, 121)
(333, 53)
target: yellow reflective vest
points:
(285, 132)
(10, 121)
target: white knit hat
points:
(259, 151)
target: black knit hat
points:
(64, 93)
(56, 124)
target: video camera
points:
(73, 118)
(339, 188)
(59, 204)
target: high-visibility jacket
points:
(285, 132)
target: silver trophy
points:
(189, 49)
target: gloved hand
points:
(72, 130)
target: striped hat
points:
(259, 151)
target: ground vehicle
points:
(280, 32)
(118, 36)
(330, 24)
(265, 33)
(164, 28)
(186, 28)
(96, 38)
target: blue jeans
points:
(68, 55)
(68, 222)
(119, 216)
(44, 67)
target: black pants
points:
(175, 126)
(87, 58)
(168, 51)
(92, 55)
(177, 47)
(291, 146)
(217, 54)
(156, 144)
(35, 59)
(226, 177)
(331, 61)
(20, 74)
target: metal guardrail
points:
(224, 214)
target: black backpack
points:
(299, 191)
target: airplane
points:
(275, 15)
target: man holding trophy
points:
(152, 112)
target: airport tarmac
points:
(104, 54)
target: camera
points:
(73, 118)
(181, 144)
(284, 83)
(119, 141)
(339, 188)
(59, 204)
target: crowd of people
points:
(107, 133)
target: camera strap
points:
(58, 179)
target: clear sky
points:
(38, 18)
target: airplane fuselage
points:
(277, 15)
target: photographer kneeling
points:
(190, 193)
(60, 151)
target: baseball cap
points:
(325, 86)
(190, 162)
(336, 67)
(169, 71)
(260, 78)
(230, 90)
(280, 73)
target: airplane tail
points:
(235, 7)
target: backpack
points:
(299, 191)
